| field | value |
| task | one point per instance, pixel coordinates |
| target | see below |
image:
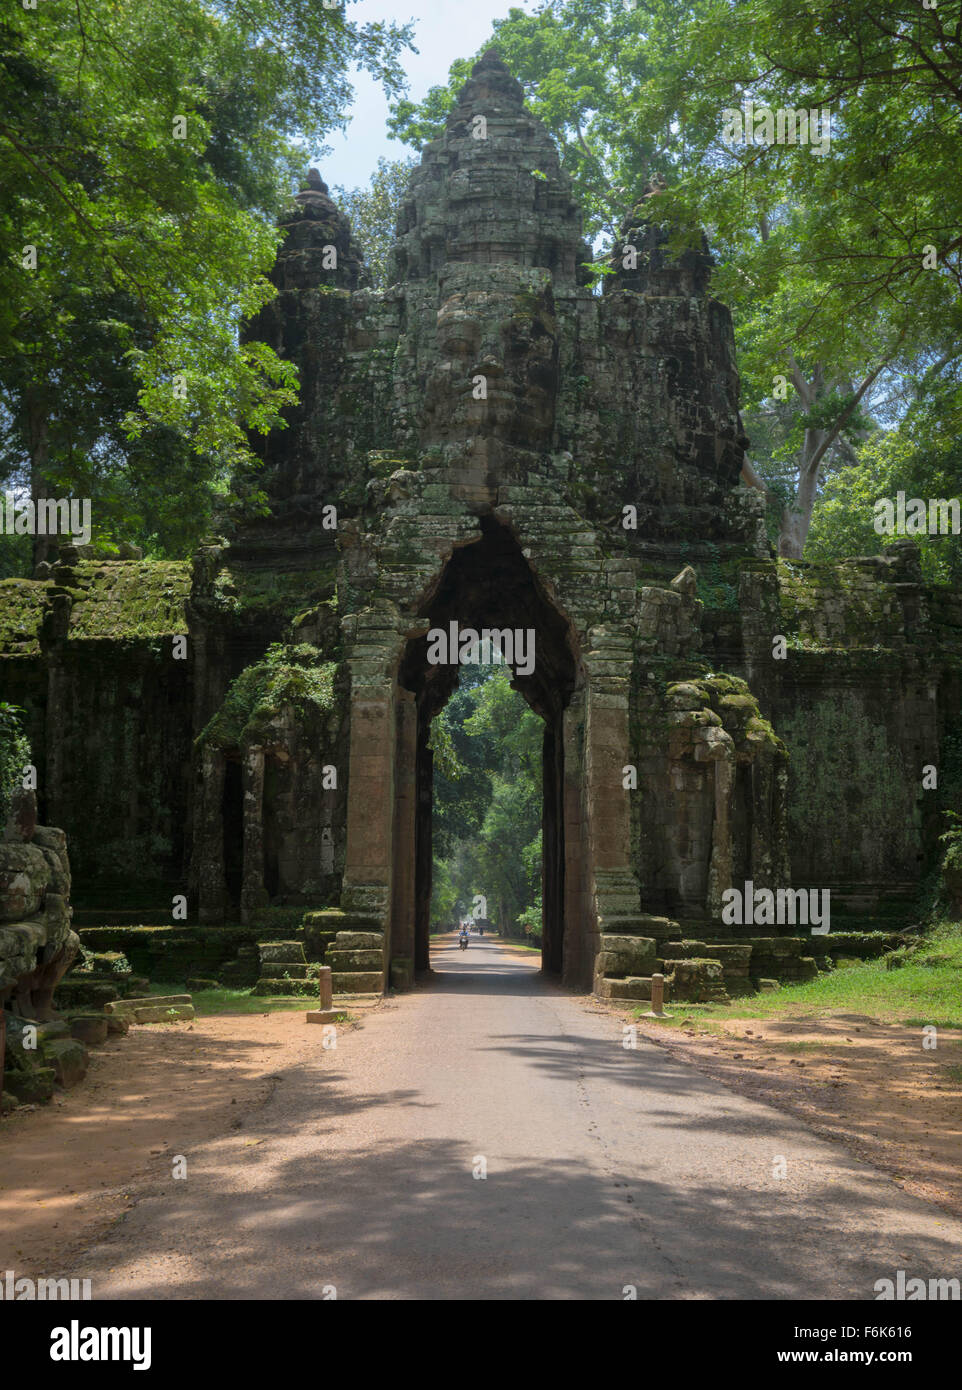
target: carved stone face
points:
(497, 372)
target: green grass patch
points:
(233, 1001)
(925, 989)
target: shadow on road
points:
(663, 1186)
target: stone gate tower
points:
(504, 448)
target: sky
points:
(443, 30)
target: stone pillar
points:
(769, 859)
(578, 952)
(253, 893)
(553, 846)
(370, 805)
(50, 795)
(423, 847)
(614, 897)
(606, 753)
(401, 933)
(720, 867)
(209, 839)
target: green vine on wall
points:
(14, 754)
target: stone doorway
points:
(578, 684)
(485, 585)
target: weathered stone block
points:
(626, 955)
(633, 987)
(24, 880)
(284, 970)
(357, 941)
(357, 982)
(90, 1029)
(167, 1013)
(75, 991)
(168, 1008)
(54, 1028)
(685, 950)
(272, 951)
(68, 1058)
(279, 989)
(31, 1087)
(657, 927)
(340, 960)
(698, 982)
(860, 945)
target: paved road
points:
(606, 1168)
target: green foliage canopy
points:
(487, 799)
(373, 213)
(14, 755)
(145, 151)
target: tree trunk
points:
(797, 518)
(39, 444)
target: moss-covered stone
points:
(128, 601)
(289, 677)
(22, 607)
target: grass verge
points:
(924, 987)
(234, 1001)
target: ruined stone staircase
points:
(284, 971)
(354, 949)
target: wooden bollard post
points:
(326, 1013)
(327, 989)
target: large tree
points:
(145, 150)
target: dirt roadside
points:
(70, 1169)
(869, 1086)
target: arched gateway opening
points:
(486, 585)
(574, 672)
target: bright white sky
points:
(444, 30)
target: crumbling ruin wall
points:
(863, 690)
(270, 795)
(89, 654)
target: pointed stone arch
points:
(579, 685)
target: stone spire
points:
(305, 260)
(491, 190)
(305, 324)
(315, 184)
